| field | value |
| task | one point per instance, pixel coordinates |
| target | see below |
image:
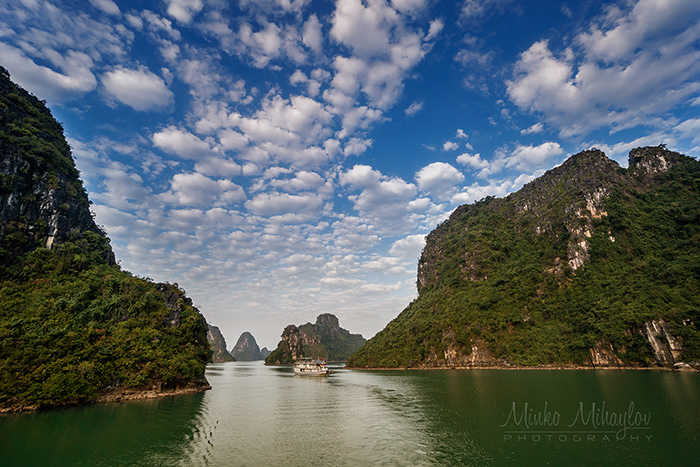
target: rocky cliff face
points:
(246, 349)
(75, 327)
(218, 345)
(42, 201)
(325, 339)
(571, 269)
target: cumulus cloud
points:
(472, 160)
(74, 80)
(439, 179)
(181, 143)
(531, 157)
(449, 146)
(184, 10)
(408, 248)
(52, 51)
(382, 200)
(383, 50)
(139, 89)
(630, 66)
(195, 189)
(312, 35)
(523, 158)
(267, 204)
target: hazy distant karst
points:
(218, 346)
(590, 264)
(246, 349)
(74, 327)
(324, 339)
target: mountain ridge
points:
(561, 272)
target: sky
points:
(279, 159)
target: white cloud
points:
(108, 6)
(527, 158)
(214, 166)
(312, 35)
(267, 204)
(383, 200)
(630, 67)
(436, 27)
(76, 79)
(184, 10)
(195, 189)
(533, 130)
(408, 248)
(414, 108)
(139, 89)
(472, 160)
(450, 146)
(690, 129)
(302, 181)
(356, 146)
(383, 50)
(439, 179)
(181, 143)
(523, 158)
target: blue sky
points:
(283, 158)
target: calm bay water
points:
(265, 416)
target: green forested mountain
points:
(324, 339)
(590, 264)
(73, 325)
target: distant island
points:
(75, 327)
(590, 265)
(324, 339)
(246, 349)
(218, 346)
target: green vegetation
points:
(324, 339)
(73, 324)
(497, 274)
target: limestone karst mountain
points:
(217, 342)
(246, 349)
(324, 339)
(591, 264)
(74, 327)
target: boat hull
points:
(305, 372)
(311, 367)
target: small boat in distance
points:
(311, 367)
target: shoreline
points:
(116, 396)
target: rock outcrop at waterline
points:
(74, 327)
(325, 339)
(589, 265)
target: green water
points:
(266, 416)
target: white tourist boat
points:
(311, 367)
